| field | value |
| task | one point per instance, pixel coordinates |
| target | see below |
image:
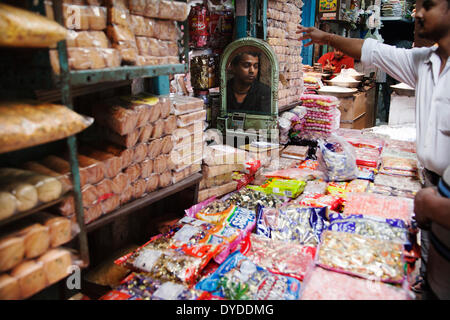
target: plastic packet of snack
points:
(289, 259)
(361, 256)
(357, 185)
(250, 199)
(322, 284)
(372, 227)
(282, 187)
(371, 204)
(338, 189)
(139, 286)
(292, 223)
(320, 200)
(238, 278)
(315, 187)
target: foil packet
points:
(238, 278)
(180, 254)
(292, 223)
(250, 199)
(361, 256)
(380, 229)
(138, 286)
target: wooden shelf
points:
(85, 77)
(145, 201)
(24, 214)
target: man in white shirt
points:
(425, 69)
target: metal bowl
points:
(343, 84)
(328, 90)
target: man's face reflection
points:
(246, 71)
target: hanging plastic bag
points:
(338, 158)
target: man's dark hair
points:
(237, 58)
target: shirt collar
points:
(433, 55)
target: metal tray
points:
(343, 84)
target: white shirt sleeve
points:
(399, 63)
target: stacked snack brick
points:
(131, 161)
(322, 116)
(120, 33)
(140, 32)
(31, 256)
(146, 30)
(187, 153)
(283, 17)
(87, 44)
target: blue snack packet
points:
(238, 278)
(372, 227)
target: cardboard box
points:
(358, 123)
(352, 107)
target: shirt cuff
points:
(367, 51)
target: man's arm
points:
(350, 46)
(430, 206)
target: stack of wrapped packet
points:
(283, 17)
(145, 31)
(31, 256)
(322, 115)
(187, 153)
(140, 32)
(131, 161)
(87, 44)
(219, 163)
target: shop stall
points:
(104, 170)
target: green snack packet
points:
(288, 188)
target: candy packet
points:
(238, 278)
(282, 187)
(357, 185)
(138, 286)
(390, 191)
(329, 201)
(371, 227)
(401, 183)
(361, 256)
(292, 223)
(371, 204)
(366, 173)
(315, 187)
(232, 224)
(403, 164)
(178, 255)
(280, 257)
(322, 284)
(248, 198)
(338, 189)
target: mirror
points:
(248, 86)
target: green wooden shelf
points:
(85, 77)
(21, 215)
